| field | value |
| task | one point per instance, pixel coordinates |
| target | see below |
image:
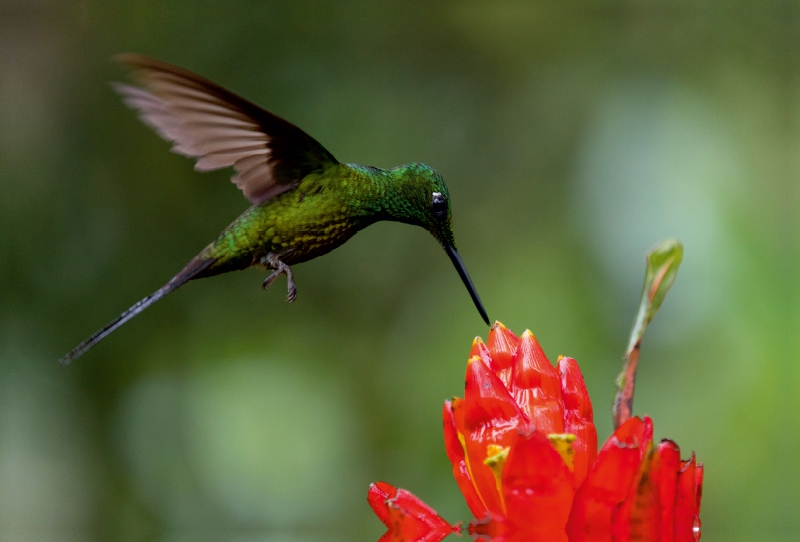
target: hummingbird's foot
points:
(281, 269)
(292, 295)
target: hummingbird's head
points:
(427, 204)
(426, 201)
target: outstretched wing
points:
(221, 129)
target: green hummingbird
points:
(305, 203)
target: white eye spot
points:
(438, 205)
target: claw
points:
(280, 269)
(269, 280)
(292, 295)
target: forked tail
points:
(192, 270)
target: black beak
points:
(462, 272)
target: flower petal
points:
(670, 464)
(480, 349)
(407, 518)
(491, 418)
(537, 489)
(492, 528)
(578, 416)
(608, 482)
(502, 344)
(488, 406)
(699, 471)
(639, 517)
(455, 452)
(377, 495)
(686, 506)
(536, 386)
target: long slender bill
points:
(462, 272)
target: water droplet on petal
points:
(696, 528)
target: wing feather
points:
(220, 129)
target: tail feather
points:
(192, 270)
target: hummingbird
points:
(305, 203)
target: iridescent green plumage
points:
(324, 211)
(305, 203)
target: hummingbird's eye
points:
(438, 205)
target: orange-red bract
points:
(407, 518)
(523, 447)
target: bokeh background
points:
(573, 136)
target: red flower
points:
(407, 517)
(524, 452)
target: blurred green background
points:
(572, 135)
